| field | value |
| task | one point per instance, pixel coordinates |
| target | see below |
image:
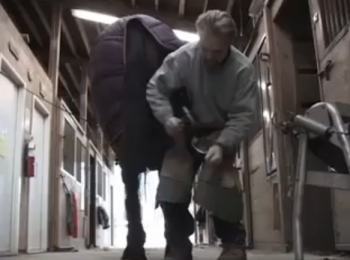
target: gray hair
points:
(217, 22)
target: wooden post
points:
(84, 81)
(283, 82)
(247, 194)
(53, 73)
(100, 139)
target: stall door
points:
(331, 21)
(8, 115)
(38, 190)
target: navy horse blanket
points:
(122, 60)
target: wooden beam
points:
(120, 9)
(133, 2)
(32, 27)
(182, 7)
(68, 38)
(84, 81)
(230, 5)
(56, 155)
(41, 15)
(156, 5)
(83, 35)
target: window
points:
(68, 148)
(335, 17)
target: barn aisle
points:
(157, 254)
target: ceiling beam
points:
(230, 5)
(182, 7)
(98, 28)
(47, 27)
(120, 9)
(41, 15)
(32, 27)
(83, 35)
(69, 38)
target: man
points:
(221, 86)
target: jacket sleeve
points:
(169, 77)
(242, 110)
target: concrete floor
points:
(156, 254)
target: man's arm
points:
(242, 110)
(169, 77)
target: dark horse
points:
(122, 60)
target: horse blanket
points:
(122, 60)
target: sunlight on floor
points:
(152, 218)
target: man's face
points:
(214, 49)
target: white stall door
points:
(38, 190)
(8, 124)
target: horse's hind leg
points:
(136, 234)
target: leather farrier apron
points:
(218, 189)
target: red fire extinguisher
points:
(31, 163)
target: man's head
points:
(217, 31)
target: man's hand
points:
(173, 126)
(214, 155)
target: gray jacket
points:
(226, 96)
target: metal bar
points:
(326, 22)
(346, 10)
(328, 180)
(341, 13)
(339, 127)
(312, 125)
(329, 12)
(335, 15)
(299, 197)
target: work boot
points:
(133, 253)
(233, 252)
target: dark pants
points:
(180, 226)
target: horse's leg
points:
(136, 234)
